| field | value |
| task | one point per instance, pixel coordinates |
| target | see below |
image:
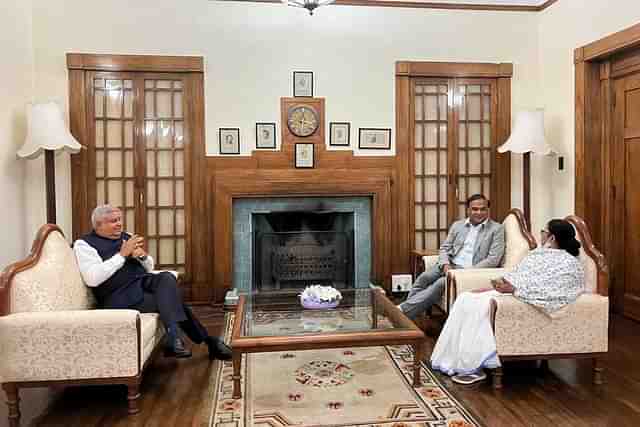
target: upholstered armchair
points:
(518, 242)
(50, 334)
(579, 330)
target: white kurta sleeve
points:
(93, 269)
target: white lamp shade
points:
(527, 135)
(46, 131)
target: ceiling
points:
(498, 5)
(497, 2)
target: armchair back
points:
(48, 280)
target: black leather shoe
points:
(177, 350)
(218, 349)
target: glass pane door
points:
(113, 116)
(431, 170)
(164, 179)
(474, 115)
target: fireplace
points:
(294, 249)
(282, 244)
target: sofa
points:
(518, 242)
(51, 333)
(579, 330)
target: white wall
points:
(16, 72)
(250, 51)
(566, 25)
(16, 90)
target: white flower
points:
(321, 293)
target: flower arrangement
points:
(317, 296)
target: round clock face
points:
(302, 120)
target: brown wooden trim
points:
(453, 69)
(78, 127)
(152, 63)
(227, 185)
(433, 5)
(501, 179)
(546, 4)
(32, 259)
(524, 229)
(592, 251)
(607, 46)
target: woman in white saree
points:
(548, 278)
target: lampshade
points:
(527, 135)
(310, 5)
(46, 131)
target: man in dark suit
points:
(476, 241)
(119, 272)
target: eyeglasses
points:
(544, 231)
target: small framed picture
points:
(374, 138)
(265, 135)
(304, 155)
(302, 83)
(229, 140)
(340, 134)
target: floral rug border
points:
(222, 411)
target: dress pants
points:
(426, 291)
(162, 295)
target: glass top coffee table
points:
(266, 322)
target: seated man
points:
(118, 270)
(476, 242)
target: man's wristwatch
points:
(142, 258)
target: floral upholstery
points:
(581, 327)
(524, 331)
(54, 283)
(516, 248)
(516, 245)
(53, 333)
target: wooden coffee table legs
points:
(418, 355)
(236, 360)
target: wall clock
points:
(302, 120)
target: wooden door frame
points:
(80, 66)
(405, 193)
(594, 100)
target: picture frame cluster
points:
(339, 132)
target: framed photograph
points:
(304, 155)
(340, 134)
(265, 135)
(229, 140)
(302, 83)
(374, 138)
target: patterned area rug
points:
(366, 386)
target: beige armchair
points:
(50, 334)
(518, 242)
(579, 330)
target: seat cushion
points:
(152, 333)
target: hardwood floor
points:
(173, 392)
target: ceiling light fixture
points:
(310, 5)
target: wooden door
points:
(626, 175)
(138, 147)
(454, 150)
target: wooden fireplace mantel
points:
(232, 184)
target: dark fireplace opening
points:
(294, 249)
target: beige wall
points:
(250, 51)
(566, 25)
(16, 73)
(16, 90)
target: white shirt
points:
(464, 258)
(94, 270)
